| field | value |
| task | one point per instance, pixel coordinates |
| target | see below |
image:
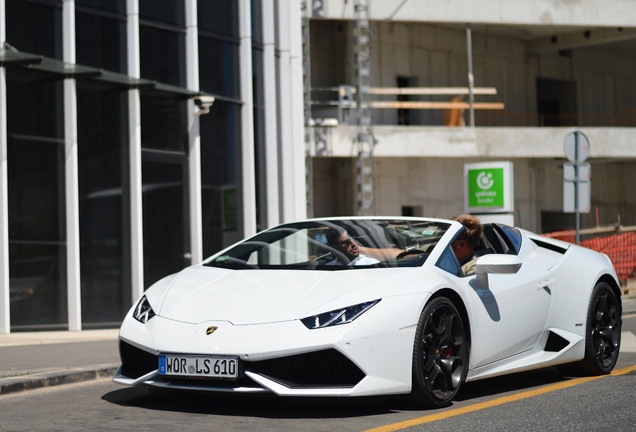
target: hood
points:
(243, 297)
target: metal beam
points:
(431, 90)
(436, 105)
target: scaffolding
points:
(355, 103)
(307, 13)
(364, 141)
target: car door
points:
(509, 314)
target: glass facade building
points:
(112, 177)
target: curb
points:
(55, 378)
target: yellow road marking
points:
(495, 402)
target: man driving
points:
(464, 245)
(348, 248)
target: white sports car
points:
(373, 306)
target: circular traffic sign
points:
(576, 147)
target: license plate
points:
(199, 366)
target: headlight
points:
(338, 316)
(143, 311)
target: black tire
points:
(440, 355)
(603, 334)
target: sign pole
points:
(576, 187)
(576, 178)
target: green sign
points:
(486, 187)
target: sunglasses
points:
(345, 243)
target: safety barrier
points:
(620, 248)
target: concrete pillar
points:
(71, 167)
(134, 138)
(298, 180)
(194, 134)
(247, 119)
(5, 310)
(286, 149)
(271, 121)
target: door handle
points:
(546, 283)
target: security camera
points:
(203, 104)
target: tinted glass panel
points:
(449, 263)
(101, 42)
(109, 5)
(168, 11)
(35, 104)
(219, 16)
(512, 237)
(163, 122)
(103, 189)
(35, 27)
(162, 55)
(257, 21)
(165, 217)
(259, 136)
(35, 156)
(218, 66)
(37, 250)
(220, 137)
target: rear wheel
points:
(440, 355)
(603, 334)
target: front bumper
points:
(371, 356)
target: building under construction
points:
(470, 81)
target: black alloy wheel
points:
(440, 355)
(603, 334)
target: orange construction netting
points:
(620, 248)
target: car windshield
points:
(337, 245)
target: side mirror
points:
(496, 264)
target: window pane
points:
(109, 5)
(101, 42)
(448, 262)
(35, 157)
(165, 217)
(218, 16)
(220, 137)
(34, 104)
(168, 11)
(162, 55)
(218, 67)
(259, 137)
(37, 251)
(35, 27)
(103, 189)
(257, 21)
(163, 122)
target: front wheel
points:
(603, 334)
(440, 355)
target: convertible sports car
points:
(373, 306)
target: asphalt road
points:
(488, 405)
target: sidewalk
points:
(43, 359)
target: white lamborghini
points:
(373, 306)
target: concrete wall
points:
(421, 166)
(502, 142)
(434, 186)
(528, 12)
(433, 55)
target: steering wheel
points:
(410, 252)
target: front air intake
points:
(328, 368)
(136, 362)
